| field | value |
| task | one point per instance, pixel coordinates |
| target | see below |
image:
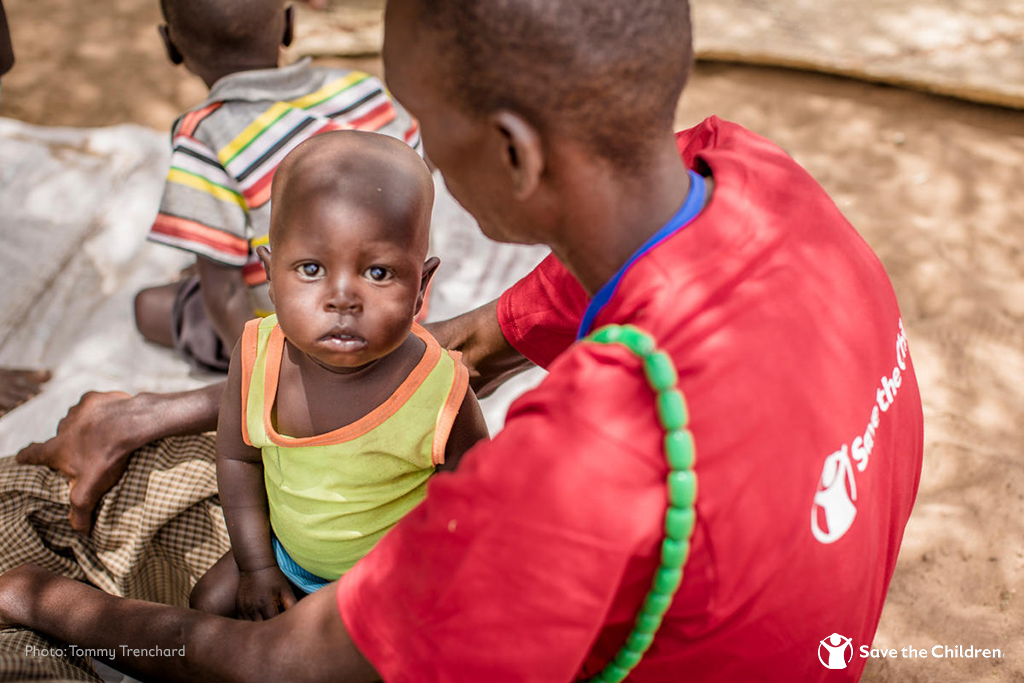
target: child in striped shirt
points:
(216, 201)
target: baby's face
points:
(345, 285)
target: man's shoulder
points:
(714, 133)
(595, 393)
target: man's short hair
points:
(609, 73)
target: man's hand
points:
(263, 594)
(18, 386)
(96, 438)
(91, 449)
(485, 351)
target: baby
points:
(339, 408)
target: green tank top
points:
(333, 496)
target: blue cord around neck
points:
(687, 212)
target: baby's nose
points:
(343, 297)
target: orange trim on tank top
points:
(250, 342)
(376, 417)
(446, 418)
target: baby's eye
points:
(311, 269)
(378, 273)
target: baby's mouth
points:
(343, 341)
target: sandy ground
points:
(935, 186)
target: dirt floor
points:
(936, 186)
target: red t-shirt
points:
(530, 562)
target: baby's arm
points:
(263, 590)
(225, 298)
(468, 428)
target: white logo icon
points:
(833, 510)
(836, 646)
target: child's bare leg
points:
(153, 308)
(215, 592)
(18, 386)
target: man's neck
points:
(612, 212)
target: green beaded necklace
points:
(682, 492)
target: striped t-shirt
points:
(216, 201)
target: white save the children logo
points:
(833, 510)
(837, 651)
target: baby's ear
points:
(264, 256)
(429, 268)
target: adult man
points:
(552, 123)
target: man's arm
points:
(306, 643)
(263, 590)
(225, 298)
(490, 358)
(95, 439)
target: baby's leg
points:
(153, 313)
(215, 592)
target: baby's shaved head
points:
(225, 26)
(378, 173)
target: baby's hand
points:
(263, 594)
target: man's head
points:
(216, 37)
(349, 228)
(604, 75)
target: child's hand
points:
(263, 594)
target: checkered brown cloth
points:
(156, 533)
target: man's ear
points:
(173, 53)
(289, 25)
(429, 268)
(523, 154)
